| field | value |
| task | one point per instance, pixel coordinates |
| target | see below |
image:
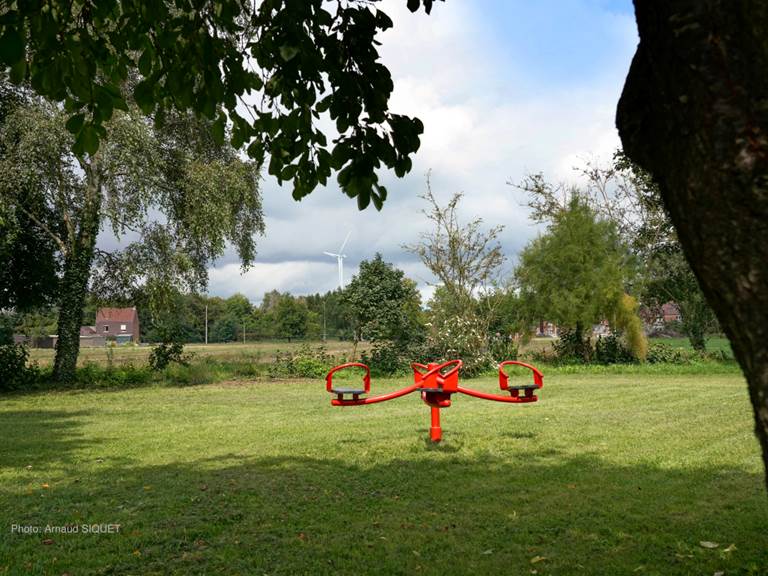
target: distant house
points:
(120, 323)
(670, 312)
(89, 338)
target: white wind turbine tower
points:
(340, 259)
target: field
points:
(265, 351)
(608, 474)
(137, 355)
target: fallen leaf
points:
(137, 552)
(302, 536)
(204, 487)
(730, 548)
(537, 559)
(45, 486)
(47, 541)
(29, 467)
(710, 545)
(720, 573)
(487, 552)
(147, 488)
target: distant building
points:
(120, 323)
(670, 312)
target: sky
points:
(504, 88)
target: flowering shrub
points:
(459, 337)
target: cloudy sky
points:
(504, 88)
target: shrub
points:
(612, 350)
(462, 338)
(92, 375)
(187, 374)
(388, 357)
(15, 373)
(503, 348)
(166, 353)
(659, 353)
(573, 347)
(306, 362)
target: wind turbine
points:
(340, 259)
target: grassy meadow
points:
(138, 355)
(607, 474)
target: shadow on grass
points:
(425, 512)
(37, 437)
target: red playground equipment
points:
(436, 383)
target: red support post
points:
(435, 432)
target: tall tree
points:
(383, 303)
(575, 274)
(626, 195)
(466, 258)
(693, 114)
(207, 195)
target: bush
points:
(459, 338)
(659, 353)
(306, 362)
(388, 357)
(573, 347)
(503, 348)
(92, 375)
(166, 353)
(15, 373)
(612, 350)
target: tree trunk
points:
(694, 113)
(74, 285)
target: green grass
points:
(713, 344)
(138, 355)
(608, 474)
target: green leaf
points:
(217, 129)
(87, 141)
(18, 71)
(289, 172)
(363, 199)
(11, 46)
(75, 123)
(288, 53)
(145, 61)
(144, 96)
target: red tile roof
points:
(116, 314)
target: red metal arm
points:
(538, 377)
(375, 399)
(496, 397)
(366, 378)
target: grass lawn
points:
(138, 355)
(608, 474)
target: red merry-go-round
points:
(436, 383)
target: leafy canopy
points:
(574, 274)
(271, 69)
(383, 303)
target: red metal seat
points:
(528, 389)
(354, 392)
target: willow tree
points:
(180, 197)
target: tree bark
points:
(694, 113)
(74, 284)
